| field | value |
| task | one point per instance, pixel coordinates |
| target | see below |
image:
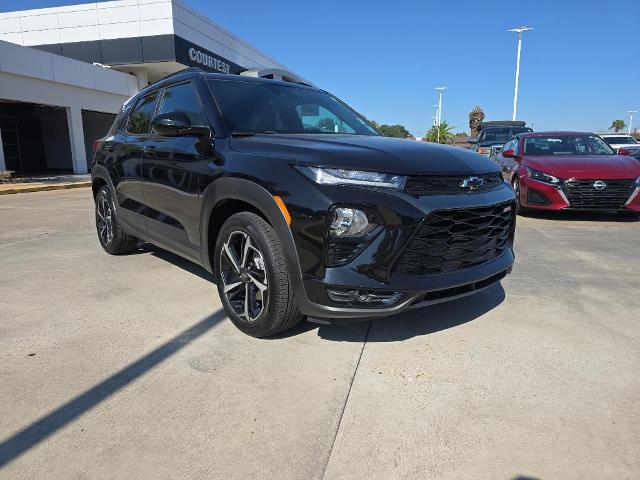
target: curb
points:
(26, 188)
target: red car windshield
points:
(567, 145)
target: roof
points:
(554, 133)
(195, 72)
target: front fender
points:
(229, 188)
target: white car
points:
(620, 140)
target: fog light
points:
(363, 297)
(349, 222)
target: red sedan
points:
(570, 170)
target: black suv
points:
(296, 204)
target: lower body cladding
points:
(423, 250)
(581, 194)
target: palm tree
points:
(476, 116)
(617, 125)
(446, 133)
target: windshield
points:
(501, 134)
(566, 145)
(257, 107)
(619, 140)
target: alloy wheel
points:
(244, 276)
(104, 220)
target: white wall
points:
(30, 75)
(90, 21)
(127, 19)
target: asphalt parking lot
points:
(126, 367)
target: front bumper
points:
(371, 270)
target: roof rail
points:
(180, 72)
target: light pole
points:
(519, 31)
(440, 90)
(631, 112)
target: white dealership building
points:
(65, 72)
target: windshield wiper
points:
(250, 134)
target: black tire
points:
(268, 311)
(113, 239)
(515, 185)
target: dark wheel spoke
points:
(243, 275)
(104, 220)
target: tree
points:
(397, 131)
(617, 125)
(476, 116)
(327, 124)
(374, 123)
(446, 133)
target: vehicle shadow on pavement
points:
(423, 321)
(30, 436)
(414, 323)
(177, 260)
(579, 216)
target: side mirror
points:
(174, 124)
(509, 154)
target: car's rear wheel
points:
(113, 238)
(252, 277)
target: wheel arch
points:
(100, 177)
(227, 196)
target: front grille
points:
(449, 240)
(450, 184)
(583, 194)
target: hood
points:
(371, 153)
(586, 166)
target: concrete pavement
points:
(125, 367)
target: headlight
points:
(349, 222)
(541, 176)
(336, 176)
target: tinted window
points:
(183, 98)
(619, 140)
(502, 134)
(140, 117)
(256, 107)
(566, 145)
(315, 117)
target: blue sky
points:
(580, 67)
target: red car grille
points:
(584, 194)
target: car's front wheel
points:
(515, 184)
(252, 276)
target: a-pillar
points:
(76, 140)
